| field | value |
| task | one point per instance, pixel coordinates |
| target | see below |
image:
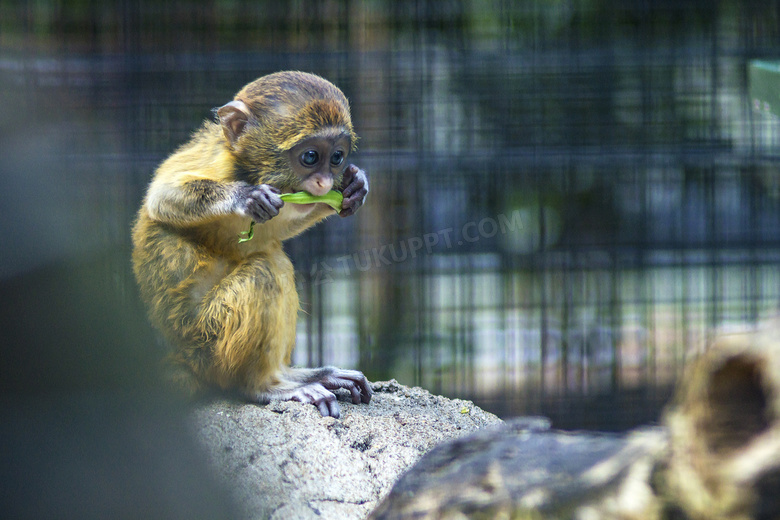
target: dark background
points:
(566, 196)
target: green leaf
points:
(249, 234)
(333, 199)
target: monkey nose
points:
(321, 185)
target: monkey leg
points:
(246, 322)
(251, 315)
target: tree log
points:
(717, 455)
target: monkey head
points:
(291, 130)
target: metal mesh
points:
(566, 196)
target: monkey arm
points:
(197, 201)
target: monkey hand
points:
(354, 187)
(260, 203)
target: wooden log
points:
(724, 430)
(717, 456)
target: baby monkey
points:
(229, 309)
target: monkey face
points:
(318, 163)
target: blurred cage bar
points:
(588, 197)
(567, 196)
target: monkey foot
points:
(315, 386)
(319, 396)
(352, 380)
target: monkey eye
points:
(310, 157)
(337, 158)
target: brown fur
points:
(320, 104)
(229, 309)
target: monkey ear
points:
(233, 117)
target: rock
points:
(285, 461)
(717, 454)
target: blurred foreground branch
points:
(716, 456)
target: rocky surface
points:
(284, 460)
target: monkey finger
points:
(328, 406)
(347, 180)
(271, 196)
(357, 198)
(352, 204)
(270, 207)
(261, 210)
(366, 392)
(355, 182)
(252, 208)
(356, 397)
(323, 407)
(268, 200)
(276, 202)
(360, 389)
(319, 396)
(258, 214)
(349, 173)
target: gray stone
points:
(285, 461)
